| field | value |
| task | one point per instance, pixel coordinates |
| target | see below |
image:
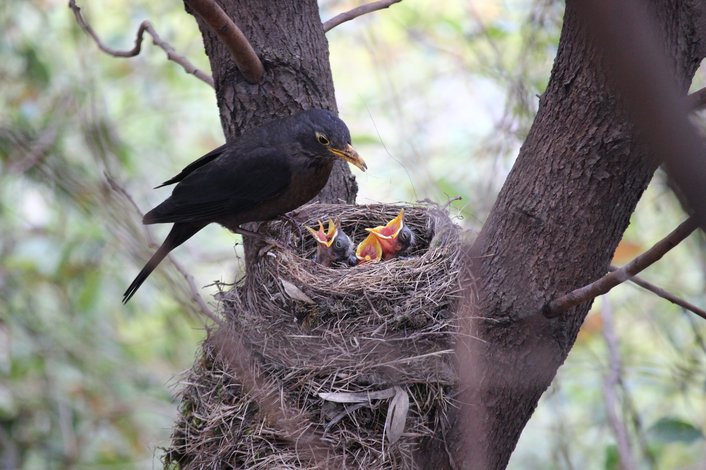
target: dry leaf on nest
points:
(396, 415)
(294, 292)
(359, 397)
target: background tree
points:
(529, 223)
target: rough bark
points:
(289, 39)
(554, 227)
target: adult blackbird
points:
(395, 237)
(266, 172)
(332, 246)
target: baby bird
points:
(395, 238)
(332, 246)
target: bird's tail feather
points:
(178, 235)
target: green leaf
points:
(669, 430)
(612, 461)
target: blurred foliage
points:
(439, 97)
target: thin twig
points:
(145, 26)
(232, 37)
(356, 12)
(33, 151)
(195, 295)
(612, 279)
(665, 294)
(451, 201)
(611, 382)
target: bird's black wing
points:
(235, 183)
(213, 154)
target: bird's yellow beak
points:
(369, 250)
(350, 155)
(325, 238)
(391, 230)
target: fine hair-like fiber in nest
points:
(296, 330)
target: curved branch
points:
(356, 12)
(232, 37)
(583, 294)
(145, 26)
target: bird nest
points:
(343, 367)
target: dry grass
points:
(253, 399)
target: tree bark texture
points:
(289, 39)
(554, 227)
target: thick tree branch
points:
(665, 294)
(356, 12)
(145, 26)
(583, 294)
(654, 102)
(232, 37)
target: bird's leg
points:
(263, 238)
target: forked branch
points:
(583, 294)
(356, 12)
(665, 294)
(145, 26)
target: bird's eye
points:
(338, 244)
(322, 139)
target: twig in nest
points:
(451, 201)
(356, 12)
(583, 294)
(232, 37)
(158, 41)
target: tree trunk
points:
(554, 227)
(289, 39)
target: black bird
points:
(333, 246)
(266, 172)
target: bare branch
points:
(145, 26)
(195, 295)
(232, 37)
(356, 12)
(665, 294)
(612, 279)
(29, 151)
